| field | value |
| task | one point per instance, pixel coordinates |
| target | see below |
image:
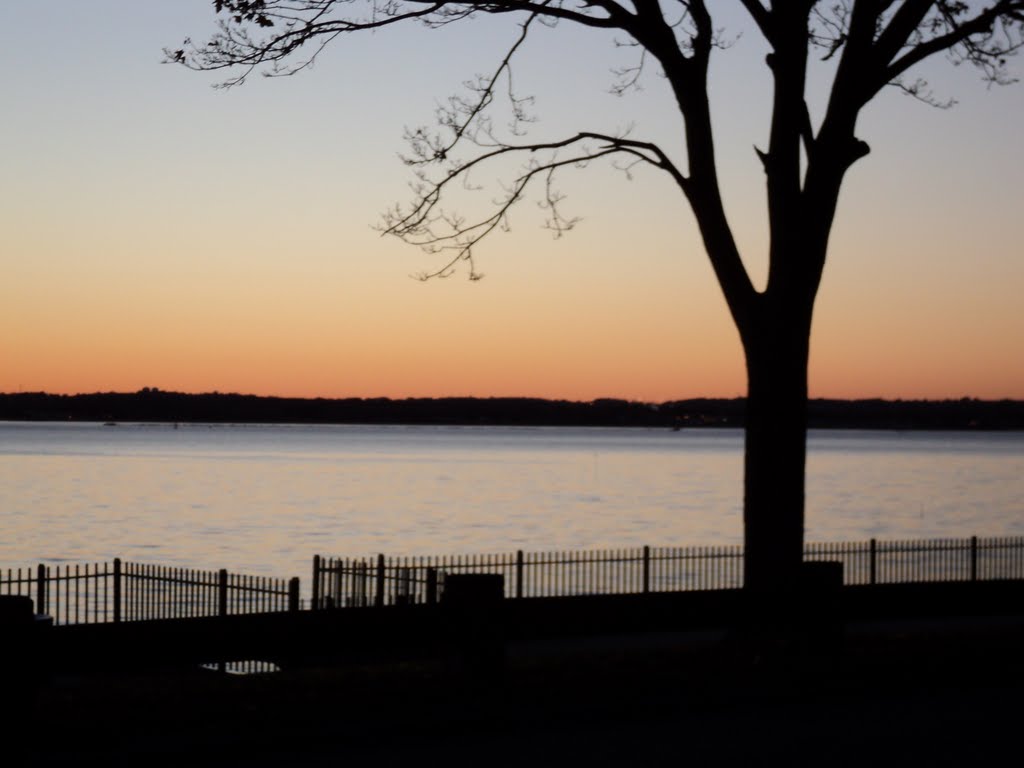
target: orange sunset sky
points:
(157, 232)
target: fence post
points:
(519, 573)
(41, 606)
(293, 594)
(873, 549)
(379, 597)
(222, 592)
(974, 558)
(222, 608)
(316, 583)
(117, 590)
(431, 586)
(647, 569)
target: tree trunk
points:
(775, 449)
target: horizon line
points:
(734, 398)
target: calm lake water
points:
(264, 499)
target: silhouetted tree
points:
(871, 44)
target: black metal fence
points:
(116, 591)
(351, 582)
(907, 561)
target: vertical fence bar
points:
(207, 592)
(519, 573)
(175, 598)
(190, 591)
(293, 594)
(67, 592)
(127, 592)
(53, 593)
(316, 583)
(106, 597)
(974, 558)
(872, 562)
(222, 607)
(657, 570)
(92, 580)
(431, 586)
(142, 585)
(156, 601)
(117, 590)
(78, 589)
(647, 569)
(379, 597)
(222, 592)
(156, 586)
(41, 606)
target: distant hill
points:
(156, 405)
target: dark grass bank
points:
(947, 692)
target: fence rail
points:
(116, 591)
(353, 582)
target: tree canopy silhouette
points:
(869, 44)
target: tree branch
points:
(461, 116)
(233, 45)
(420, 224)
(761, 17)
(904, 22)
(972, 35)
(254, 33)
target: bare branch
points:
(920, 90)
(427, 225)
(985, 40)
(238, 43)
(257, 33)
(903, 24)
(460, 115)
(628, 78)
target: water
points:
(264, 499)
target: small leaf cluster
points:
(244, 10)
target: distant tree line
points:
(155, 405)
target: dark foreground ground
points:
(922, 693)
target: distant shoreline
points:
(155, 405)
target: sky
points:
(155, 231)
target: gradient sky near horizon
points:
(157, 232)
